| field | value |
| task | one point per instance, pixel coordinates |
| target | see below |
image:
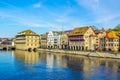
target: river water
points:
(21, 65)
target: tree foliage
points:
(117, 27)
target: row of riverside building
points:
(79, 39)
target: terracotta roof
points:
(106, 36)
(79, 31)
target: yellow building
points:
(27, 40)
(43, 41)
(110, 42)
(82, 38)
(64, 42)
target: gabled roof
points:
(79, 31)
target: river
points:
(23, 65)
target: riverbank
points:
(83, 53)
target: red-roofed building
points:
(110, 42)
(106, 36)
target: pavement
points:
(84, 53)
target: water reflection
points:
(74, 61)
(97, 67)
(86, 67)
(28, 57)
(53, 59)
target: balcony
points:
(76, 39)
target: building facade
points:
(43, 41)
(100, 34)
(27, 40)
(110, 42)
(53, 39)
(82, 38)
(6, 41)
(64, 41)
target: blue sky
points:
(45, 15)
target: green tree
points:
(117, 28)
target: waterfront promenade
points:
(84, 53)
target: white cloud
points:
(37, 5)
(89, 4)
(107, 18)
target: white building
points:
(53, 39)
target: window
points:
(111, 44)
(106, 44)
(55, 42)
(102, 44)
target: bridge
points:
(7, 47)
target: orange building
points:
(110, 42)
